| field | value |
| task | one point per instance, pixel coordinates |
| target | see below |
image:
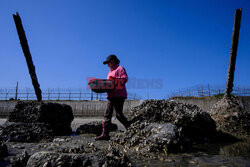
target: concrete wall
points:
(97, 108)
(204, 104)
(6, 107)
(207, 103)
(80, 108)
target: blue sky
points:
(179, 43)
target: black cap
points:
(111, 57)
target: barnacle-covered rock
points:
(154, 137)
(25, 132)
(230, 117)
(47, 159)
(112, 158)
(57, 116)
(94, 127)
(195, 124)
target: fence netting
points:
(209, 90)
(56, 94)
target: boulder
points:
(230, 117)
(57, 116)
(94, 127)
(25, 132)
(112, 158)
(196, 124)
(50, 159)
(154, 137)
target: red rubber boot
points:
(105, 132)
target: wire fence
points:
(84, 94)
(56, 94)
(209, 90)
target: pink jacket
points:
(119, 76)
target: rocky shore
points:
(163, 133)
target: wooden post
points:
(80, 95)
(7, 92)
(91, 96)
(233, 53)
(48, 94)
(201, 91)
(16, 91)
(209, 93)
(26, 51)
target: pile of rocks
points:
(166, 126)
(195, 124)
(94, 127)
(230, 117)
(33, 121)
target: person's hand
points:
(111, 78)
(91, 81)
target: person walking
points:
(115, 96)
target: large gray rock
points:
(230, 117)
(154, 137)
(195, 124)
(51, 159)
(94, 127)
(25, 132)
(57, 116)
(112, 158)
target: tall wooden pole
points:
(233, 53)
(26, 51)
(16, 91)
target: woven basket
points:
(101, 85)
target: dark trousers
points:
(117, 104)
